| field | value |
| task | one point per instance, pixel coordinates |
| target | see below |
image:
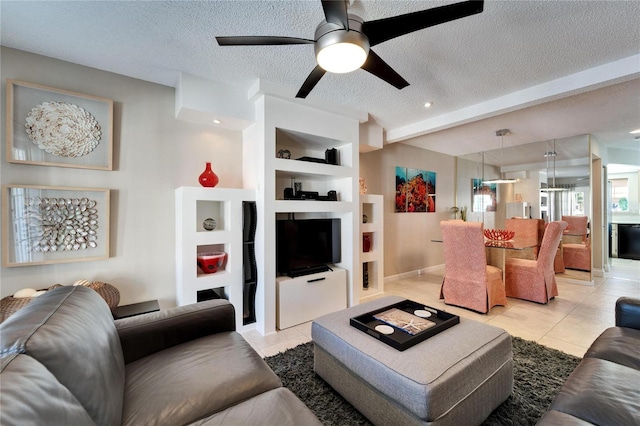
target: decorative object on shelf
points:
(208, 178)
(210, 262)
(365, 276)
(54, 127)
(499, 234)
(415, 191)
(365, 218)
(209, 224)
(45, 224)
(331, 156)
(284, 153)
(367, 240)
(297, 187)
(363, 186)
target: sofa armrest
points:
(628, 312)
(145, 334)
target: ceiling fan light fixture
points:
(341, 51)
(341, 58)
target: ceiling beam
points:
(580, 82)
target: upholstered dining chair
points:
(577, 255)
(577, 229)
(576, 248)
(525, 229)
(535, 280)
(468, 281)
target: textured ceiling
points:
(510, 47)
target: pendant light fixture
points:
(553, 188)
(502, 133)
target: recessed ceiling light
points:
(428, 104)
(633, 132)
(216, 121)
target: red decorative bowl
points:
(211, 261)
(499, 234)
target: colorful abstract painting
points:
(484, 196)
(415, 191)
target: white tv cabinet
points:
(302, 299)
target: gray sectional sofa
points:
(605, 387)
(65, 361)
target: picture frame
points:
(483, 195)
(415, 190)
(44, 225)
(55, 127)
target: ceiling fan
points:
(343, 41)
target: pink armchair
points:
(535, 280)
(468, 281)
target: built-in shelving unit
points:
(224, 205)
(371, 229)
(286, 131)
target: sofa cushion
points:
(30, 394)
(289, 411)
(189, 382)
(601, 392)
(619, 345)
(70, 331)
(556, 418)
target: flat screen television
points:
(306, 246)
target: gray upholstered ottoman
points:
(457, 377)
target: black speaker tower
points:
(250, 272)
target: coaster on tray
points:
(422, 313)
(384, 329)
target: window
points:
(620, 195)
(577, 207)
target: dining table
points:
(496, 250)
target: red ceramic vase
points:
(208, 178)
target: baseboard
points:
(411, 274)
(572, 281)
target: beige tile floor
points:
(569, 323)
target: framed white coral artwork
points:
(48, 224)
(54, 127)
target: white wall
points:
(153, 154)
(407, 236)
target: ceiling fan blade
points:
(376, 66)
(335, 11)
(311, 82)
(385, 29)
(260, 40)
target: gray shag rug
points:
(538, 374)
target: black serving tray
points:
(400, 339)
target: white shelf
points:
(286, 168)
(224, 205)
(371, 205)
